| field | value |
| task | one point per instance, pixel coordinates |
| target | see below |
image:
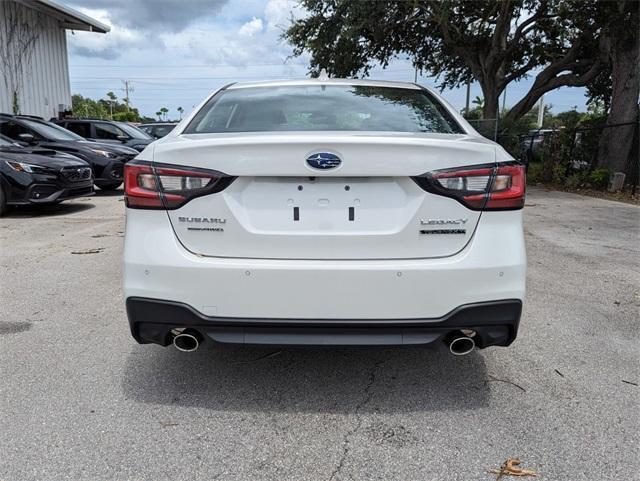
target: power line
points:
(189, 65)
(168, 89)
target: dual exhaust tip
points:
(187, 341)
(460, 343)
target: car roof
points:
(84, 120)
(325, 81)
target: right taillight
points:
(479, 187)
(162, 186)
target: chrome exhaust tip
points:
(461, 346)
(186, 342)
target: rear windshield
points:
(133, 131)
(323, 108)
(51, 131)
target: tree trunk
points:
(491, 96)
(491, 100)
(616, 143)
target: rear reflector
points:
(161, 186)
(480, 187)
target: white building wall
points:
(45, 82)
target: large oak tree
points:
(559, 42)
(620, 82)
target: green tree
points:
(479, 101)
(159, 114)
(102, 109)
(180, 111)
(618, 86)
(88, 108)
(493, 42)
(112, 98)
(163, 112)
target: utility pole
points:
(541, 112)
(466, 109)
(127, 88)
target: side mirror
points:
(28, 138)
(122, 138)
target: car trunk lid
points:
(368, 207)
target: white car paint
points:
(257, 262)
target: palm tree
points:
(164, 111)
(479, 101)
(180, 111)
(112, 98)
(159, 114)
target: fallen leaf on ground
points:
(89, 251)
(510, 468)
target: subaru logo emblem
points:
(324, 160)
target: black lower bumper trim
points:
(496, 324)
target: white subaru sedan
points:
(324, 212)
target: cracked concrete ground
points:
(79, 400)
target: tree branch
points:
(549, 79)
(502, 26)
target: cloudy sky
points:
(175, 52)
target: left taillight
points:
(162, 186)
(480, 187)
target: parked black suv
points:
(108, 131)
(40, 176)
(106, 160)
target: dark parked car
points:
(108, 131)
(157, 130)
(533, 143)
(40, 176)
(106, 160)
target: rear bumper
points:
(490, 268)
(496, 324)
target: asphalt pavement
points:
(80, 400)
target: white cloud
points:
(253, 43)
(278, 13)
(250, 28)
(106, 46)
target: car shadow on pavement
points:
(109, 193)
(307, 380)
(28, 211)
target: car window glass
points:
(6, 142)
(83, 129)
(107, 131)
(133, 132)
(323, 108)
(162, 130)
(13, 130)
(48, 130)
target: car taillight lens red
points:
(482, 187)
(150, 186)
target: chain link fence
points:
(558, 154)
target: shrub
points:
(534, 173)
(599, 178)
